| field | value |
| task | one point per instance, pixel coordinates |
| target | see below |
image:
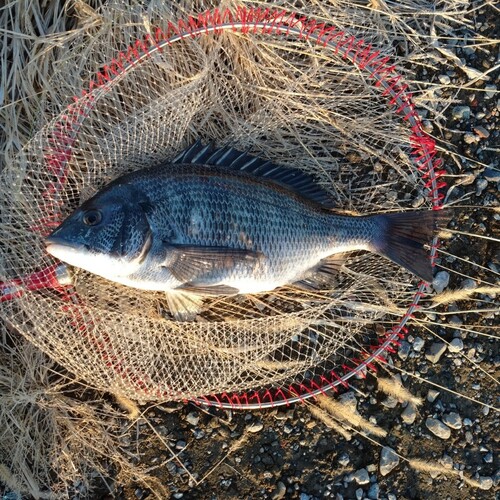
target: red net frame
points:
(65, 129)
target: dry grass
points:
(394, 388)
(57, 437)
(464, 294)
(349, 416)
(324, 417)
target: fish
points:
(221, 222)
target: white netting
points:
(280, 96)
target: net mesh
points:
(286, 88)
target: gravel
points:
(435, 352)
(486, 483)
(409, 414)
(452, 420)
(432, 394)
(441, 281)
(461, 112)
(361, 476)
(456, 345)
(374, 491)
(438, 428)
(388, 460)
(491, 174)
(255, 427)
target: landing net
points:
(298, 90)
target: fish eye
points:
(92, 217)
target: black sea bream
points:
(221, 222)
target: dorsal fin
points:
(300, 182)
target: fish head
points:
(109, 235)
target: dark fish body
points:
(219, 222)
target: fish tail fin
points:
(402, 238)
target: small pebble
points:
(361, 476)
(409, 414)
(392, 195)
(456, 345)
(441, 281)
(481, 132)
(481, 185)
(359, 493)
(435, 352)
(344, 459)
(255, 427)
(390, 402)
(279, 492)
(193, 418)
(427, 126)
(453, 420)
(374, 491)
(470, 138)
(444, 79)
(468, 284)
(349, 399)
(418, 202)
(388, 460)
(418, 344)
(305, 496)
(490, 91)
(496, 478)
(432, 395)
(180, 444)
(491, 174)
(485, 482)
(404, 350)
(461, 112)
(438, 428)
(447, 461)
(488, 458)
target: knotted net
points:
(303, 91)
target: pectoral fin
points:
(208, 290)
(200, 266)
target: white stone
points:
(456, 345)
(485, 482)
(409, 414)
(432, 395)
(255, 427)
(438, 428)
(453, 420)
(441, 281)
(361, 476)
(435, 352)
(388, 460)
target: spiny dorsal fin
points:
(300, 182)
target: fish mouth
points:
(54, 243)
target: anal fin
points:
(324, 274)
(184, 306)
